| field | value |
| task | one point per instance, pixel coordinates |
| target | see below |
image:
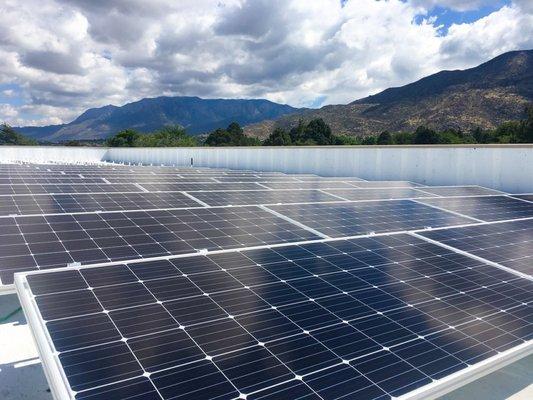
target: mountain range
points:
(194, 114)
(485, 96)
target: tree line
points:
(317, 132)
(314, 132)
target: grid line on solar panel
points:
(516, 271)
(447, 210)
(309, 185)
(507, 243)
(91, 202)
(66, 188)
(224, 198)
(355, 218)
(362, 194)
(486, 208)
(42, 242)
(524, 197)
(147, 368)
(286, 329)
(460, 191)
(48, 181)
(378, 184)
(187, 187)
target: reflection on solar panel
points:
(377, 194)
(368, 318)
(360, 218)
(66, 188)
(460, 191)
(493, 208)
(162, 305)
(171, 187)
(507, 243)
(48, 180)
(378, 184)
(256, 179)
(72, 203)
(317, 178)
(54, 241)
(262, 197)
(309, 185)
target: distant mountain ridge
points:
(194, 114)
(484, 96)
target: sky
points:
(61, 57)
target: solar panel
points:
(360, 218)
(491, 208)
(48, 180)
(80, 202)
(262, 197)
(372, 318)
(309, 185)
(257, 179)
(173, 187)
(527, 197)
(460, 191)
(377, 194)
(66, 188)
(507, 243)
(38, 242)
(328, 178)
(378, 184)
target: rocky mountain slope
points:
(484, 96)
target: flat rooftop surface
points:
(173, 282)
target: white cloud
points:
(458, 5)
(7, 111)
(67, 56)
(508, 29)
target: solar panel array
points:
(179, 283)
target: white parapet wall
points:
(504, 167)
(52, 154)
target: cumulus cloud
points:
(70, 55)
(458, 5)
(508, 29)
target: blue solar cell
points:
(360, 218)
(491, 208)
(506, 243)
(374, 317)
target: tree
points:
(124, 138)
(170, 136)
(526, 134)
(318, 132)
(424, 135)
(384, 138)
(233, 135)
(8, 136)
(369, 140)
(297, 132)
(235, 129)
(279, 137)
(344, 140)
(480, 136)
(402, 138)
